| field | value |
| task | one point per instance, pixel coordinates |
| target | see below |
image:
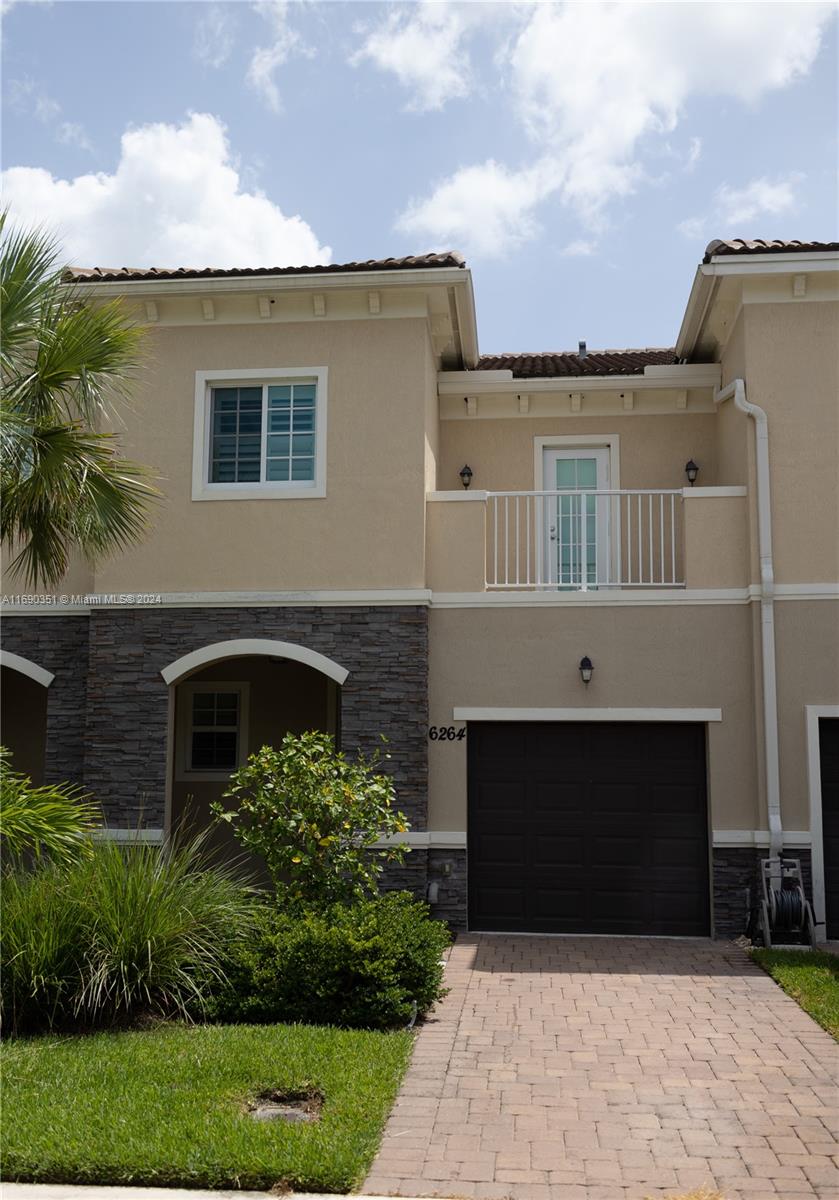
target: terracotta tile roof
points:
(760, 246)
(594, 362)
(114, 274)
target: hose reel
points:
(785, 913)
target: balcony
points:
(580, 540)
(577, 541)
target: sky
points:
(580, 155)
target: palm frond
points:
(74, 491)
(65, 365)
(29, 276)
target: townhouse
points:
(590, 598)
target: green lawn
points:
(167, 1106)
(810, 978)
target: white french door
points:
(576, 533)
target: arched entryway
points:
(23, 713)
(229, 699)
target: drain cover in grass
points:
(294, 1107)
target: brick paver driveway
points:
(613, 1069)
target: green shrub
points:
(314, 816)
(360, 966)
(128, 930)
(54, 820)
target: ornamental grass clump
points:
(127, 931)
(315, 816)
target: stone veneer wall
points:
(108, 705)
(447, 868)
(737, 869)
(385, 651)
(60, 645)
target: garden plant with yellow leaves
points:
(314, 816)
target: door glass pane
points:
(566, 472)
(586, 472)
(574, 533)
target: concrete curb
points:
(75, 1191)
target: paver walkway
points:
(613, 1069)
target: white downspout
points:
(737, 390)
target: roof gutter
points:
(736, 390)
(416, 277)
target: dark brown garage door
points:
(829, 756)
(588, 828)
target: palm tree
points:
(64, 365)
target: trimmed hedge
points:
(362, 966)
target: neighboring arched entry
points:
(23, 713)
(230, 698)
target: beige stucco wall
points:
(807, 647)
(792, 372)
(645, 657)
(368, 532)
(78, 580)
(716, 541)
(653, 449)
(456, 545)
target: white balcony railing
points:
(582, 540)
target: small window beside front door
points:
(210, 729)
(214, 731)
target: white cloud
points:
(733, 206)
(487, 209)
(46, 109)
(213, 41)
(26, 96)
(693, 228)
(265, 60)
(694, 153)
(424, 48)
(175, 199)
(579, 248)
(70, 133)
(759, 197)
(594, 83)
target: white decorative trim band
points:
(245, 647)
(24, 667)
(154, 837)
(759, 838)
(679, 375)
(587, 714)
(430, 839)
(711, 493)
(461, 495)
(605, 597)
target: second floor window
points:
(263, 433)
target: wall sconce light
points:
(586, 669)
(465, 475)
(691, 470)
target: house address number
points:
(446, 733)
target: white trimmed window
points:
(260, 434)
(213, 729)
